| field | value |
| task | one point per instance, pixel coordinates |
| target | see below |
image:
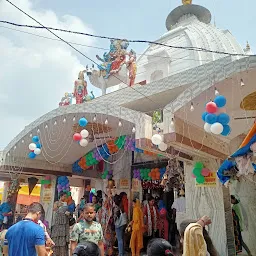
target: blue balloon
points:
(220, 101)
(223, 118)
(204, 115)
(35, 139)
(32, 155)
(226, 130)
(83, 122)
(210, 118)
(38, 145)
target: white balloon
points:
(162, 146)
(156, 139)
(83, 142)
(84, 133)
(32, 146)
(207, 127)
(217, 128)
(37, 151)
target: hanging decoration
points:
(46, 182)
(105, 151)
(200, 172)
(107, 175)
(14, 187)
(215, 118)
(63, 185)
(35, 148)
(146, 174)
(241, 162)
(152, 184)
(81, 137)
(32, 181)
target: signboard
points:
(210, 181)
(135, 185)
(124, 184)
(47, 194)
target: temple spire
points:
(185, 2)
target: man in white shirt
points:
(179, 208)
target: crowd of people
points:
(101, 228)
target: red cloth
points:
(125, 204)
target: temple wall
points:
(207, 201)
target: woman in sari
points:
(60, 226)
(107, 222)
(136, 243)
(238, 226)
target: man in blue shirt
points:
(26, 238)
(5, 212)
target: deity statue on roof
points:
(116, 58)
(66, 100)
(80, 88)
(185, 2)
(132, 67)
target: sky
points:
(36, 72)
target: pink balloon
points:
(77, 137)
(193, 176)
(206, 172)
(211, 107)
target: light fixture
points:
(15, 147)
(94, 118)
(30, 135)
(120, 123)
(8, 154)
(192, 107)
(106, 122)
(133, 130)
(64, 120)
(172, 122)
(216, 92)
(55, 123)
(22, 141)
(242, 82)
(38, 131)
(46, 126)
(74, 119)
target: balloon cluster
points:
(46, 181)
(97, 155)
(199, 172)
(90, 160)
(216, 121)
(112, 147)
(149, 174)
(63, 185)
(136, 174)
(107, 175)
(105, 151)
(14, 187)
(81, 137)
(158, 141)
(34, 147)
(130, 144)
(120, 142)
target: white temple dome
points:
(188, 26)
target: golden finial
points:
(186, 2)
(248, 47)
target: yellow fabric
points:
(25, 190)
(194, 243)
(136, 243)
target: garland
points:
(105, 151)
